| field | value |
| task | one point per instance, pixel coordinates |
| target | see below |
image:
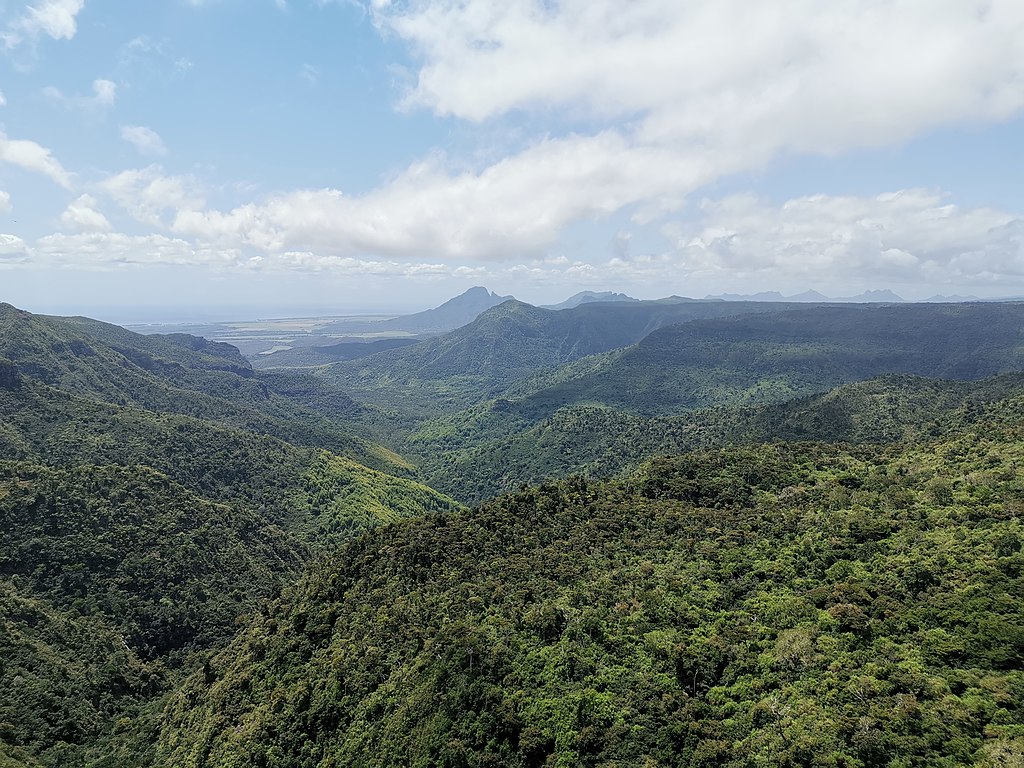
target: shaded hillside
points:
(495, 447)
(154, 530)
(66, 678)
(105, 571)
(777, 356)
(507, 343)
(179, 374)
(773, 605)
(86, 539)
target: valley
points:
(675, 532)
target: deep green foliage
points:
(153, 502)
(109, 578)
(774, 357)
(496, 447)
(172, 570)
(775, 605)
(767, 604)
(506, 344)
(178, 374)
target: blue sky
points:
(228, 158)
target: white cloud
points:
(889, 65)
(511, 209)
(33, 157)
(82, 215)
(97, 249)
(104, 94)
(145, 140)
(5, 201)
(103, 250)
(912, 237)
(681, 94)
(13, 249)
(3, 99)
(147, 194)
(55, 18)
(912, 240)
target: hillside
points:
(110, 578)
(505, 344)
(775, 605)
(496, 447)
(141, 516)
(778, 603)
(776, 356)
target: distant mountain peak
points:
(590, 297)
(454, 313)
(810, 296)
(475, 291)
(884, 295)
(953, 299)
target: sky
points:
(225, 159)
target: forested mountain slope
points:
(172, 374)
(765, 604)
(142, 514)
(497, 446)
(509, 342)
(776, 356)
(775, 605)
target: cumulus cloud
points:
(513, 208)
(145, 140)
(104, 94)
(909, 237)
(82, 215)
(147, 193)
(93, 249)
(890, 67)
(105, 249)
(13, 249)
(681, 95)
(664, 98)
(33, 157)
(687, 93)
(5, 201)
(55, 18)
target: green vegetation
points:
(773, 605)
(150, 499)
(496, 447)
(203, 565)
(774, 357)
(506, 344)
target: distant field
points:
(259, 337)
